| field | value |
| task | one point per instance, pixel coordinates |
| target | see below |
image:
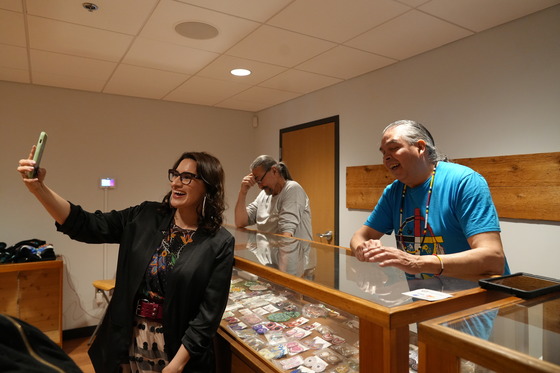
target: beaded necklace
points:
(427, 211)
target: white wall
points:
(496, 93)
(92, 136)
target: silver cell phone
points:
(41, 143)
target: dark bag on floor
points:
(24, 348)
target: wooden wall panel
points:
(523, 186)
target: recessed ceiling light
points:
(240, 72)
(196, 30)
(90, 7)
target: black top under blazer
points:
(197, 288)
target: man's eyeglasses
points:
(186, 177)
(259, 181)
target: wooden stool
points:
(106, 288)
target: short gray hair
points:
(414, 132)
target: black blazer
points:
(196, 294)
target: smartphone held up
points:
(40, 148)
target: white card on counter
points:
(427, 294)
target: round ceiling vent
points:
(196, 30)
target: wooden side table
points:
(32, 292)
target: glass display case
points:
(294, 303)
(522, 336)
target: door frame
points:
(334, 119)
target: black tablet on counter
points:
(522, 285)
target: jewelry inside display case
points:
(290, 330)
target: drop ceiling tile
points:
(13, 57)
(345, 63)
(14, 5)
(165, 56)
(143, 82)
(336, 20)
(76, 40)
(65, 71)
(279, 47)
(69, 82)
(266, 96)
(205, 91)
(169, 14)
(221, 67)
(14, 65)
(233, 103)
(299, 81)
(257, 99)
(125, 16)
(256, 10)
(479, 15)
(12, 28)
(398, 40)
(413, 3)
(14, 75)
(60, 64)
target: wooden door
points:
(310, 151)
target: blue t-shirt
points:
(460, 207)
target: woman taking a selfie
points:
(173, 272)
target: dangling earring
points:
(203, 206)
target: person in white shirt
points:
(282, 207)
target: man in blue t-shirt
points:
(442, 213)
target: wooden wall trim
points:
(525, 186)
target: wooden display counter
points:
(369, 293)
(32, 292)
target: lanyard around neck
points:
(427, 211)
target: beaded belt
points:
(153, 311)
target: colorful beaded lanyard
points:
(425, 215)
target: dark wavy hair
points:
(210, 170)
